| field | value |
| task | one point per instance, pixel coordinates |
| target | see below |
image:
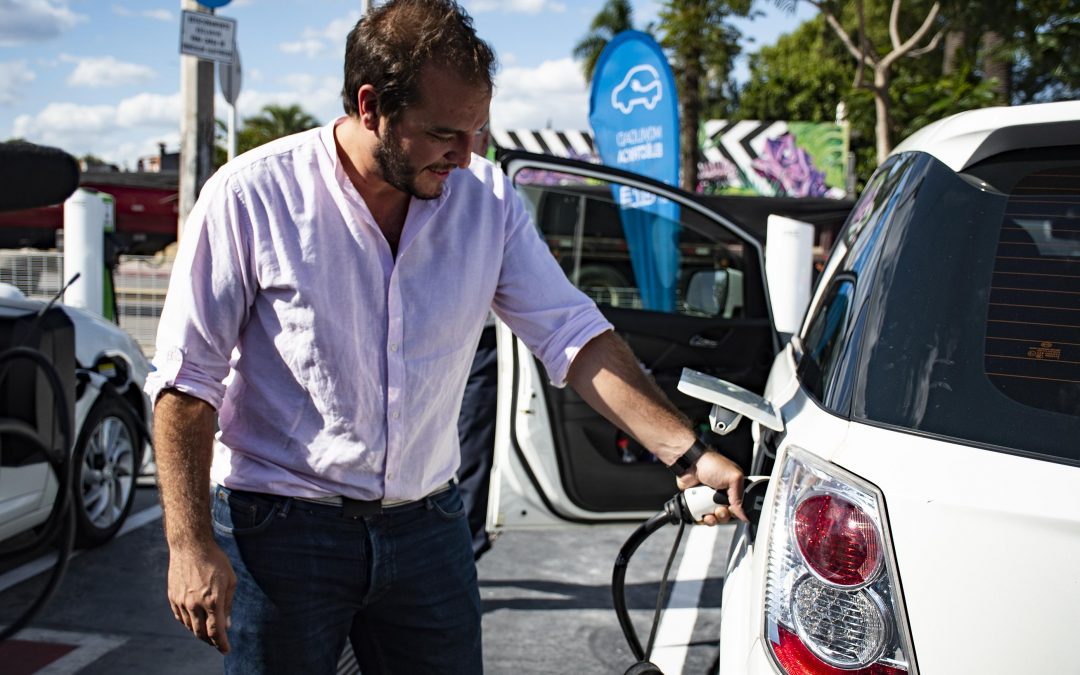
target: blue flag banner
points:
(634, 114)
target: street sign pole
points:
(229, 78)
(231, 149)
(204, 39)
(196, 125)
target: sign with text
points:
(634, 114)
(206, 36)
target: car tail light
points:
(832, 602)
(838, 541)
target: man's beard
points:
(396, 170)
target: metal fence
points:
(140, 283)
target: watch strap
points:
(689, 458)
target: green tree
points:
(613, 18)
(1029, 50)
(911, 29)
(702, 45)
(272, 122)
(785, 84)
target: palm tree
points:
(274, 121)
(614, 17)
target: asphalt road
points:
(546, 596)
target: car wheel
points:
(105, 466)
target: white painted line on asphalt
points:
(677, 624)
(137, 520)
(89, 647)
(46, 562)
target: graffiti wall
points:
(773, 158)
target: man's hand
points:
(201, 586)
(719, 473)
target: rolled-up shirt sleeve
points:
(536, 300)
(210, 293)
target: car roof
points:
(964, 139)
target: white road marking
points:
(677, 623)
(46, 562)
(89, 647)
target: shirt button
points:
(396, 414)
(393, 347)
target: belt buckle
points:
(355, 508)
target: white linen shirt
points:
(345, 365)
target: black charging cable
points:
(61, 517)
(676, 512)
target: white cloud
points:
(106, 71)
(318, 96)
(105, 130)
(23, 21)
(149, 110)
(337, 30)
(314, 41)
(156, 14)
(518, 6)
(14, 75)
(530, 98)
(311, 47)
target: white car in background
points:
(110, 430)
(923, 509)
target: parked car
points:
(110, 427)
(923, 509)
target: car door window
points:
(631, 249)
(681, 284)
(825, 337)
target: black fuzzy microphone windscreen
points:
(35, 175)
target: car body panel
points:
(964, 139)
(982, 539)
(23, 493)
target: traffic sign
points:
(213, 4)
(229, 77)
(206, 36)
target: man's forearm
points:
(184, 429)
(607, 375)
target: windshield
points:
(972, 321)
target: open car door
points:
(682, 284)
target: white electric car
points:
(921, 431)
(110, 427)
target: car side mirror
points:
(730, 402)
(707, 292)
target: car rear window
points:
(1032, 350)
(970, 327)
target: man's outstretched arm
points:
(607, 375)
(201, 580)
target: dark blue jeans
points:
(401, 586)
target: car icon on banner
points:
(641, 86)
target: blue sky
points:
(102, 76)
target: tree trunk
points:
(996, 65)
(883, 108)
(954, 42)
(690, 96)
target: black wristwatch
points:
(689, 458)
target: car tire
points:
(105, 467)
